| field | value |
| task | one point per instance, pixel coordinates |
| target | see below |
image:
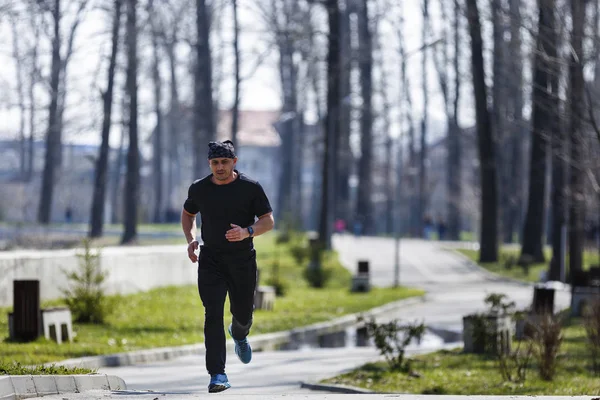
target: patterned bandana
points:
(221, 150)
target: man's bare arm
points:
(188, 223)
(264, 224)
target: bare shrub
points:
(591, 321)
(547, 338)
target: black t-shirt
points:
(238, 202)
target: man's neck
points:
(231, 178)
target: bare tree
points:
(451, 100)
(169, 33)
(157, 157)
(56, 108)
(99, 196)
(387, 139)
(499, 101)
(236, 54)
(406, 118)
(577, 141)
(18, 58)
(545, 50)
(33, 80)
(204, 117)
(422, 205)
(559, 171)
(512, 217)
(331, 121)
(364, 204)
(53, 144)
(345, 158)
(485, 142)
(132, 181)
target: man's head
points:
(221, 159)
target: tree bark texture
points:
(100, 179)
(533, 230)
(577, 134)
(485, 143)
(204, 126)
(512, 219)
(236, 55)
(132, 180)
(332, 122)
(53, 144)
(365, 185)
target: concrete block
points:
(91, 382)
(24, 386)
(65, 384)
(45, 385)
(7, 390)
(264, 297)
(116, 383)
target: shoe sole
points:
(218, 388)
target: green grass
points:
(517, 272)
(174, 316)
(453, 373)
(15, 368)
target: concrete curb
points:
(13, 387)
(333, 388)
(268, 341)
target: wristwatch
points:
(250, 231)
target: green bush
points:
(317, 276)
(85, 297)
(275, 279)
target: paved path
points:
(454, 287)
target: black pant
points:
(220, 273)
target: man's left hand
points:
(236, 233)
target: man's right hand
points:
(192, 247)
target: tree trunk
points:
(332, 122)
(499, 113)
(99, 196)
(423, 195)
(559, 166)
(365, 187)
(174, 165)
(33, 78)
(157, 156)
(512, 221)
(21, 100)
(287, 73)
(236, 54)
(388, 166)
(405, 92)
(132, 182)
(533, 230)
(204, 117)
(116, 175)
(577, 134)
(485, 143)
(53, 145)
(453, 163)
(345, 156)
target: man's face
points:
(222, 168)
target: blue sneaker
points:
(242, 348)
(218, 383)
